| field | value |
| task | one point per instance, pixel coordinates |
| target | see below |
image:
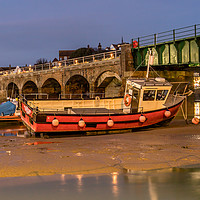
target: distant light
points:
(196, 82)
(196, 109)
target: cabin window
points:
(149, 95)
(135, 98)
(135, 94)
(161, 95)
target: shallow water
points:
(171, 184)
(12, 129)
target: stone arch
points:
(108, 83)
(12, 90)
(28, 88)
(77, 84)
(24, 79)
(51, 87)
(45, 78)
(100, 71)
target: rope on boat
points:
(137, 68)
(184, 113)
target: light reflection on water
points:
(173, 184)
(12, 129)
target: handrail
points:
(36, 95)
(23, 99)
(64, 63)
(110, 108)
(68, 96)
(167, 36)
(82, 95)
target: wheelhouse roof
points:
(139, 83)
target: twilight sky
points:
(33, 29)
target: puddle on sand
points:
(18, 133)
(149, 185)
(9, 129)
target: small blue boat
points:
(7, 108)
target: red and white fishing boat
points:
(146, 102)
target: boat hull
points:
(43, 123)
(13, 118)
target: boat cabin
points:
(143, 95)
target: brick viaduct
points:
(92, 75)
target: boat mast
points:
(150, 62)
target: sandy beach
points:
(177, 145)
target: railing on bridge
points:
(172, 35)
(65, 63)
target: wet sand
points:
(177, 145)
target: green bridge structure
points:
(174, 48)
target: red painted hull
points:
(69, 122)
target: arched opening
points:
(108, 84)
(77, 87)
(12, 90)
(52, 87)
(29, 90)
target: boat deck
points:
(82, 111)
(70, 106)
(173, 100)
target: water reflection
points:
(175, 183)
(115, 184)
(62, 177)
(79, 184)
(12, 129)
(152, 189)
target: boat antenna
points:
(150, 62)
